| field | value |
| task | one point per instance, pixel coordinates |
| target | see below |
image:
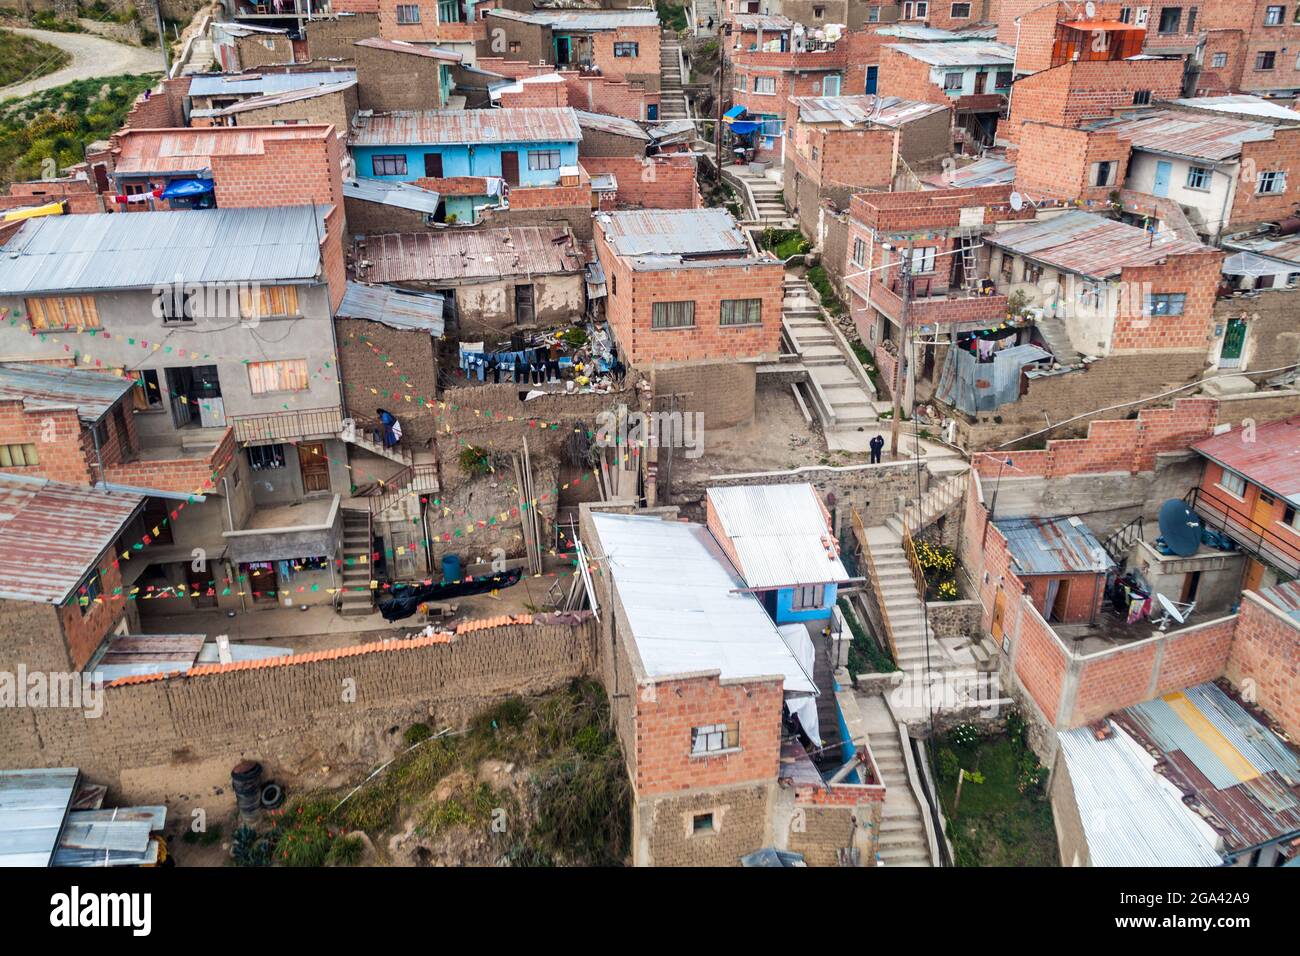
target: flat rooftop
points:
(451, 255)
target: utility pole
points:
(717, 121)
(895, 424)
(162, 37)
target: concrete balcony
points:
(192, 463)
(931, 303)
(307, 529)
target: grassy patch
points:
(57, 124)
(820, 281)
(25, 58)
(1005, 820)
(865, 655)
(867, 361)
(785, 243)
(672, 15)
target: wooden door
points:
(1254, 575)
(1262, 515)
(510, 167)
(315, 467)
(259, 581)
(999, 609)
(524, 314)
(433, 165)
(980, 80)
(1061, 601)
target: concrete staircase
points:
(201, 57)
(672, 98)
(1058, 340)
(704, 11)
(357, 597)
(400, 454)
(903, 840)
(838, 395)
(762, 195)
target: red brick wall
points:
(1067, 95)
(79, 194)
(908, 77)
(61, 458)
(658, 182)
(645, 65)
(537, 94)
(1281, 153)
(428, 29)
(663, 734)
(85, 632)
(289, 172)
(609, 95)
(184, 475)
(1195, 275)
(1265, 659)
(1083, 595)
(1056, 162)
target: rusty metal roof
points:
(549, 124)
(1053, 546)
(144, 152)
(393, 307)
(1232, 770)
(67, 526)
(415, 49)
(1091, 245)
(1285, 597)
(92, 394)
(672, 232)
(455, 254)
(854, 111)
(1269, 458)
(1177, 133)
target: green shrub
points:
(946, 764)
(474, 461)
(416, 733)
(345, 851)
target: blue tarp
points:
(741, 129)
(974, 386)
(187, 187)
(734, 113)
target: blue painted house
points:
(779, 538)
(517, 147)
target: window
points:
(859, 252)
(712, 738)
(1219, 60)
(873, 14)
(265, 457)
(145, 392)
(543, 159)
(673, 315)
(285, 375)
(922, 260)
(1165, 303)
(1198, 177)
(952, 81)
(742, 312)
(448, 11)
(1273, 16)
(814, 154)
(1003, 80)
(514, 46)
(88, 592)
(176, 305)
(1125, 14)
(408, 13)
(960, 11)
(268, 300)
(1103, 173)
(626, 49)
(1170, 18)
(63, 312)
(702, 823)
(1233, 483)
(1271, 182)
(1141, 97)
(1291, 517)
(388, 165)
(807, 597)
(765, 84)
(18, 456)
(922, 10)
(819, 13)
(1265, 59)
(1191, 19)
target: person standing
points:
(877, 448)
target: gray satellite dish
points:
(1181, 527)
(1171, 608)
(1017, 201)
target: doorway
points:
(1058, 600)
(999, 609)
(981, 80)
(1164, 170)
(433, 165)
(510, 167)
(873, 77)
(1234, 344)
(315, 467)
(524, 312)
(259, 581)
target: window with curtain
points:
(285, 375)
(63, 312)
(672, 315)
(268, 301)
(742, 311)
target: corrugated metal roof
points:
(391, 193)
(156, 152)
(1178, 133)
(1283, 249)
(416, 49)
(1271, 458)
(1092, 245)
(452, 254)
(960, 53)
(67, 526)
(395, 308)
(259, 84)
(768, 23)
(991, 171)
(33, 807)
(1053, 546)
(678, 591)
(564, 20)
(131, 654)
(780, 534)
(539, 124)
(280, 99)
(918, 31)
(40, 386)
(1285, 597)
(146, 249)
(1242, 104)
(617, 125)
(1238, 774)
(1130, 816)
(861, 110)
(672, 232)
(672, 129)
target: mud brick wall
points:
(665, 827)
(286, 714)
(1272, 335)
(363, 369)
(332, 39)
(492, 415)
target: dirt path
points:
(91, 56)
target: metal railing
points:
(288, 425)
(390, 492)
(860, 532)
(1117, 544)
(1222, 514)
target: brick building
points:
(398, 75)
(972, 77)
(333, 105)
(448, 24)
(692, 304)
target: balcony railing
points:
(294, 425)
(1221, 513)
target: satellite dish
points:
(1090, 9)
(1181, 527)
(1017, 201)
(1170, 608)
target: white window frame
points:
(948, 86)
(954, 15)
(710, 739)
(1277, 177)
(923, 260)
(1270, 10)
(859, 252)
(1112, 171)
(544, 160)
(808, 597)
(765, 81)
(1202, 176)
(1230, 480)
(404, 14)
(1218, 60)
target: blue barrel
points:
(451, 567)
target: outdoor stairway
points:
(828, 720)
(705, 10)
(848, 403)
(903, 840)
(357, 597)
(764, 197)
(672, 98)
(201, 58)
(400, 454)
(1058, 340)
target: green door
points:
(1234, 341)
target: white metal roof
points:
(779, 533)
(33, 806)
(963, 53)
(679, 592)
(1131, 815)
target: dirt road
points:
(91, 56)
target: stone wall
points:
(954, 618)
